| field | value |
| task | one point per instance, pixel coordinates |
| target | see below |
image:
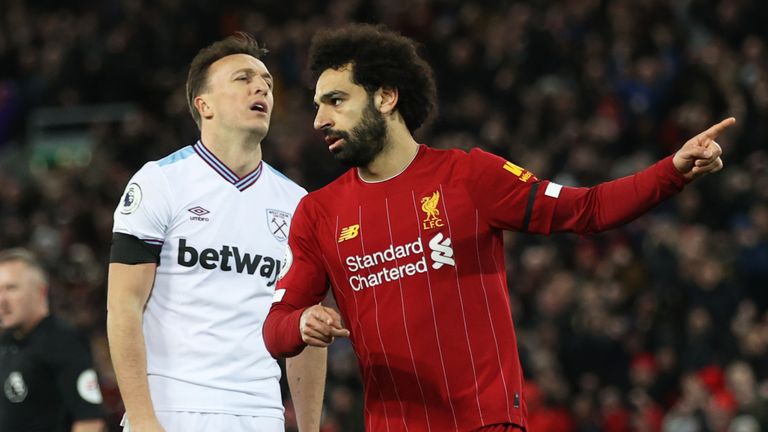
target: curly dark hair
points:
(197, 79)
(379, 58)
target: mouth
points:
(259, 107)
(334, 142)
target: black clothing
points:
(47, 380)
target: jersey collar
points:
(241, 183)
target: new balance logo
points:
(229, 258)
(348, 233)
(442, 252)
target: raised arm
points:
(614, 203)
(700, 155)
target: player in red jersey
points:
(410, 242)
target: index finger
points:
(715, 131)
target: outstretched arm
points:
(614, 203)
(700, 155)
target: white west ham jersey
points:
(223, 241)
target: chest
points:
(25, 377)
(399, 235)
(219, 228)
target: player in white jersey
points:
(198, 243)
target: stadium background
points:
(662, 322)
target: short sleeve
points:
(76, 379)
(510, 197)
(304, 281)
(144, 210)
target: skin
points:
(233, 132)
(23, 304)
(340, 105)
(23, 298)
(230, 129)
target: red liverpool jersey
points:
(416, 265)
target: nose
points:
(322, 119)
(259, 85)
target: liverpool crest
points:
(429, 207)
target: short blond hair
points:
(27, 257)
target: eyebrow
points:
(332, 94)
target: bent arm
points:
(306, 380)
(281, 330)
(129, 286)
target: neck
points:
(240, 153)
(24, 329)
(398, 152)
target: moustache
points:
(336, 134)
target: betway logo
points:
(229, 258)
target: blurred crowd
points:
(659, 326)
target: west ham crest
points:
(278, 223)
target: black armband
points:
(529, 206)
(128, 249)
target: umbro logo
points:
(198, 213)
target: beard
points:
(365, 141)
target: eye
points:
(336, 101)
(242, 78)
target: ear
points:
(386, 99)
(43, 290)
(205, 110)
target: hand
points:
(319, 325)
(700, 155)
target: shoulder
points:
(457, 164)
(338, 187)
(447, 157)
(159, 175)
(60, 339)
(55, 327)
(175, 157)
(283, 180)
(175, 164)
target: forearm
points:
(306, 380)
(129, 359)
(614, 203)
(93, 425)
(281, 331)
